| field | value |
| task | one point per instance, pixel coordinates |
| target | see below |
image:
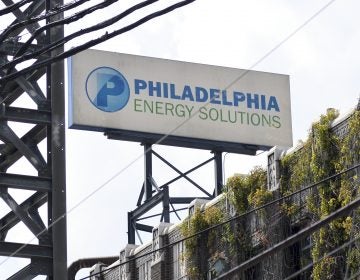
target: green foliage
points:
(353, 260)
(260, 197)
(198, 222)
(296, 171)
(245, 191)
(289, 209)
(238, 192)
(325, 269)
(322, 155)
(188, 228)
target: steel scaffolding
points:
(47, 187)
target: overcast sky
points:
(322, 60)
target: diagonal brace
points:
(33, 226)
(9, 135)
(183, 175)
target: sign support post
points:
(148, 171)
(218, 172)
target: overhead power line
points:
(95, 42)
(281, 245)
(53, 24)
(14, 7)
(98, 26)
(291, 240)
(310, 265)
(55, 11)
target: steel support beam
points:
(11, 219)
(38, 266)
(25, 115)
(9, 47)
(160, 197)
(182, 175)
(166, 206)
(9, 153)
(49, 258)
(24, 274)
(34, 226)
(56, 143)
(131, 229)
(19, 250)
(25, 182)
(218, 172)
(152, 195)
(148, 205)
(147, 171)
(177, 141)
(184, 200)
(143, 227)
(9, 136)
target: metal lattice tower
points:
(48, 256)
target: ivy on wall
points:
(198, 222)
(322, 155)
(243, 192)
(248, 190)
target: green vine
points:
(322, 155)
(200, 221)
(248, 190)
(243, 192)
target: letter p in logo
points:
(107, 89)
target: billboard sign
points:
(146, 96)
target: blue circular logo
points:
(107, 89)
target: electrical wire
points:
(291, 240)
(241, 216)
(95, 42)
(310, 265)
(14, 7)
(50, 25)
(61, 42)
(53, 45)
(54, 11)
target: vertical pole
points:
(166, 205)
(218, 172)
(57, 150)
(148, 171)
(131, 230)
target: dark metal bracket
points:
(49, 256)
(152, 195)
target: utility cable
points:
(337, 249)
(314, 227)
(95, 42)
(98, 26)
(14, 7)
(291, 240)
(247, 213)
(53, 24)
(61, 42)
(54, 11)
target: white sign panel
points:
(202, 102)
